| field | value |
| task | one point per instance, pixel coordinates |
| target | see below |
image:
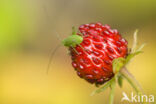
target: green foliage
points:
(105, 86)
(134, 46)
(132, 55)
(118, 64)
(120, 80)
(135, 51)
(141, 47)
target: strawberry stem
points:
(112, 93)
(130, 78)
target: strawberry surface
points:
(92, 59)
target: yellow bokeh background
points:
(30, 29)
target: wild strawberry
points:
(93, 54)
(98, 53)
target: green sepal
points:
(134, 51)
(135, 42)
(141, 47)
(120, 80)
(105, 86)
(118, 63)
(132, 55)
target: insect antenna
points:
(52, 54)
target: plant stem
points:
(130, 78)
(111, 97)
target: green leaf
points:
(105, 86)
(135, 51)
(118, 63)
(120, 80)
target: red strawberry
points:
(92, 58)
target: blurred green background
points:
(29, 30)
